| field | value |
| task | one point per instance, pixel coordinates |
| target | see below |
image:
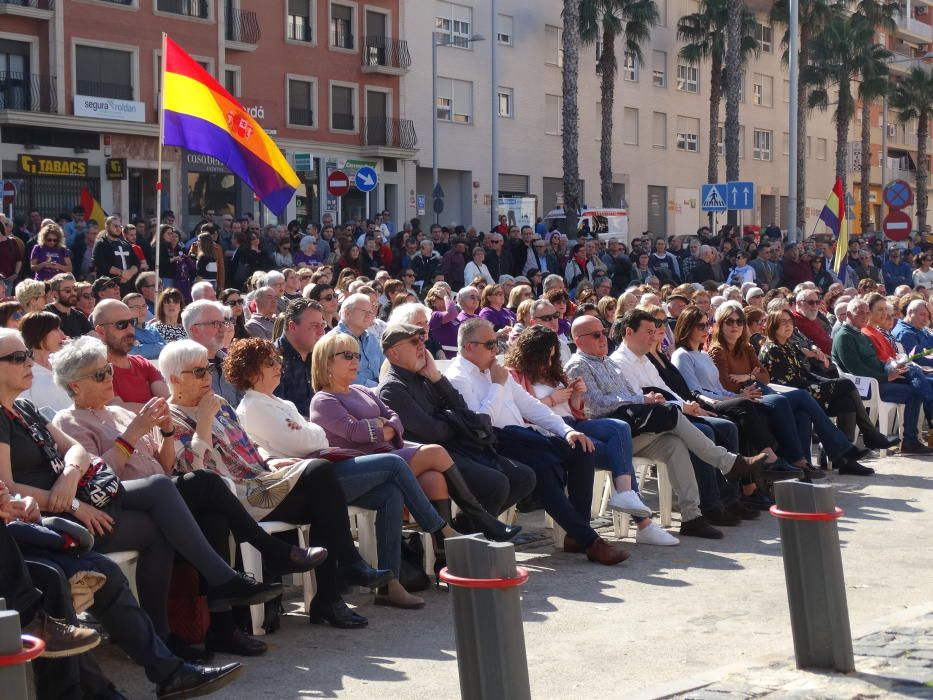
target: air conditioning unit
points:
(892, 131)
(920, 10)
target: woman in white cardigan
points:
(477, 267)
(380, 482)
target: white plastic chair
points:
(442, 365)
(127, 562)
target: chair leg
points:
(308, 579)
(427, 543)
(252, 564)
(665, 494)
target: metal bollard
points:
(487, 618)
(13, 654)
(816, 590)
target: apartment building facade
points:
(661, 117)
(79, 98)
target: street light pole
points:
(884, 147)
(494, 91)
(434, 119)
(792, 121)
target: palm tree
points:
(812, 17)
(842, 52)
(570, 131)
(604, 20)
(913, 98)
(733, 87)
(704, 34)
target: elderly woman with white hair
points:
(31, 295)
(107, 430)
(148, 515)
(208, 436)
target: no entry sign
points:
(338, 184)
(896, 225)
(8, 192)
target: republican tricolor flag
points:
(200, 115)
(834, 216)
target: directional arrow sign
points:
(438, 192)
(740, 195)
(366, 179)
(713, 197)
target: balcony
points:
(242, 30)
(381, 137)
(198, 9)
(343, 122)
(298, 28)
(384, 55)
(300, 117)
(914, 30)
(28, 93)
(116, 91)
(340, 35)
(35, 9)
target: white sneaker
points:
(656, 535)
(629, 502)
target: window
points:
(741, 87)
(504, 29)
(821, 149)
(301, 103)
(659, 129)
(188, 8)
(455, 101)
(809, 154)
(688, 134)
(342, 108)
(764, 33)
(298, 20)
(761, 144)
(786, 91)
(341, 26)
(721, 141)
(630, 67)
(630, 126)
(232, 81)
(454, 22)
(553, 119)
(659, 68)
(554, 45)
(103, 72)
(688, 78)
(505, 96)
(762, 89)
(785, 143)
(662, 12)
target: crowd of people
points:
(283, 373)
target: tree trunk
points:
(923, 169)
(715, 106)
(569, 115)
(865, 170)
(607, 65)
(733, 87)
(842, 135)
(802, 113)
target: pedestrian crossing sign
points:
(713, 197)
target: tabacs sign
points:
(50, 165)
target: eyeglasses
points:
(348, 355)
(234, 302)
(734, 322)
(147, 286)
(409, 274)
(488, 344)
(329, 297)
(17, 358)
(216, 325)
(547, 318)
(810, 302)
(595, 335)
(136, 307)
(701, 327)
(122, 324)
(199, 372)
(52, 240)
(273, 360)
(99, 375)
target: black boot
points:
(440, 552)
(490, 526)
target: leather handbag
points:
(472, 429)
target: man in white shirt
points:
(558, 454)
(718, 497)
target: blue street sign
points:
(366, 179)
(713, 197)
(740, 195)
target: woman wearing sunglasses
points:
(354, 417)
(167, 322)
(741, 371)
(148, 515)
(326, 296)
(233, 300)
(42, 333)
(49, 256)
(209, 436)
(380, 482)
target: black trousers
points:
(497, 482)
(317, 500)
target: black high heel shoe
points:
(491, 527)
(336, 614)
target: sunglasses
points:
(595, 335)
(99, 375)
(409, 275)
(348, 355)
(329, 297)
(17, 358)
(547, 318)
(734, 322)
(234, 302)
(199, 372)
(810, 302)
(701, 327)
(488, 344)
(52, 240)
(121, 325)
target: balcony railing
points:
(243, 27)
(391, 133)
(188, 8)
(299, 28)
(28, 93)
(383, 51)
(915, 26)
(301, 117)
(340, 35)
(342, 121)
(117, 91)
(32, 4)
(128, 3)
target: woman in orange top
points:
(878, 328)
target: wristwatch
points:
(75, 504)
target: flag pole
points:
(158, 231)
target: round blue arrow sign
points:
(366, 179)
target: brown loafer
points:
(572, 546)
(745, 465)
(604, 553)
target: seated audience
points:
(356, 317)
(149, 343)
(42, 335)
(167, 321)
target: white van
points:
(603, 223)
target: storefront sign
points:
(303, 162)
(109, 108)
(352, 167)
(116, 168)
(50, 165)
(204, 164)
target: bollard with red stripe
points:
(16, 650)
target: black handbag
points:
(472, 429)
(412, 575)
(645, 418)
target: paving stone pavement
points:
(895, 662)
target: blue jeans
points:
(783, 424)
(810, 416)
(896, 392)
(384, 483)
(713, 486)
(613, 441)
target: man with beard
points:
(74, 323)
(806, 314)
(113, 255)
